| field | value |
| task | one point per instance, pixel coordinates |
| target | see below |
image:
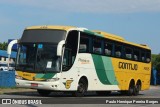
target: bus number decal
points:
(146, 68)
(68, 84)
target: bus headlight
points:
(52, 79)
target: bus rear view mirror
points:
(60, 47)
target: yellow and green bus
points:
(78, 60)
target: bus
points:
(78, 60)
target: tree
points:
(156, 62)
(3, 46)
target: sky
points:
(137, 21)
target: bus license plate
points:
(34, 84)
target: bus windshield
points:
(38, 58)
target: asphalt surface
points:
(90, 99)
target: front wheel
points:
(82, 88)
(43, 92)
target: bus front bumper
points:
(38, 84)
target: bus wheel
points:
(137, 89)
(43, 92)
(82, 88)
(131, 89)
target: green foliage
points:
(156, 61)
(3, 46)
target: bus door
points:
(69, 71)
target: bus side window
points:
(148, 57)
(142, 56)
(84, 44)
(136, 53)
(128, 53)
(97, 47)
(118, 51)
(82, 48)
(108, 47)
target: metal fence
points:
(7, 79)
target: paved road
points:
(66, 99)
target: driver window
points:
(70, 50)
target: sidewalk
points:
(10, 90)
(155, 87)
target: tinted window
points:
(70, 50)
(118, 51)
(142, 58)
(84, 44)
(148, 56)
(136, 55)
(128, 53)
(40, 35)
(108, 48)
(97, 49)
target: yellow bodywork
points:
(28, 76)
(51, 27)
(125, 75)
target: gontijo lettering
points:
(129, 66)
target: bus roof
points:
(51, 27)
(120, 39)
(95, 32)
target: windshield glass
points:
(43, 36)
(38, 58)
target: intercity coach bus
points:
(78, 60)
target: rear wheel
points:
(82, 88)
(43, 92)
(137, 89)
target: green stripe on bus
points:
(39, 75)
(89, 32)
(48, 75)
(93, 33)
(109, 70)
(104, 70)
(100, 69)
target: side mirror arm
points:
(60, 47)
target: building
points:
(4, 57)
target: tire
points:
(43, 92)
(103, 93)
(137, 89)
(131, 89)
(81, 89)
